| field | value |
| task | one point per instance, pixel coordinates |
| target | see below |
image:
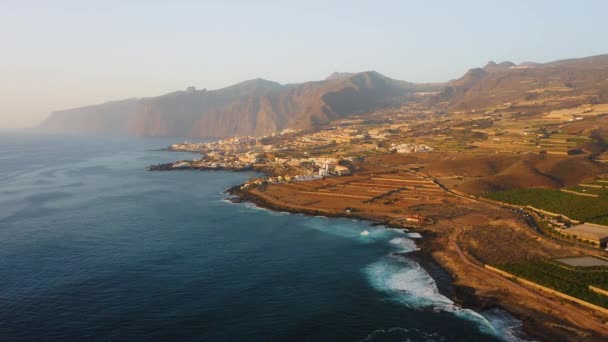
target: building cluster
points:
(187, 147)
(223, 163)
(241, 153)
(330, 167)
(234, 144)
(279, 180)
(410, 148)
(335, 135)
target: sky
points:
(62, 54)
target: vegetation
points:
(548, 229)
(590, 190)
(601, 220)
(572, 282)
(576, 207)
(582, 268)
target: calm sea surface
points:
(93, 247)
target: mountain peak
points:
(339, 75)
(496, 66)
(346, 75)
(257, 82)
(253, 86)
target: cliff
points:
(256, 107)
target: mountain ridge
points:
(253, 107)
(260, 107)
(585, 79)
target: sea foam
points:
(406, 282)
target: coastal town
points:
(273, 154)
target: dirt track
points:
(572, 313)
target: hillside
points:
(581, 80)
(504, 172)
(255, 107)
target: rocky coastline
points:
(426, 256)
(461, 295)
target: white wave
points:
(507, 327)
(351, 229)
(250, 205)
(406, 282)
(227, 200)
(404, 245)
(253, 206)
(414, 235)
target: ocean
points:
(95, 248)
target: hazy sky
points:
(62, 54)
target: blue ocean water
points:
(93, 247)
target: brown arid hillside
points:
(582, 80)
(490, 173)
(478, 174)
(257, 107)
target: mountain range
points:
(255, 107)
(584, 80)
(260, 107)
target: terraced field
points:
(383, 194)
(577, 207)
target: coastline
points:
(460, 295)
(470, 286)
(171, 167)
(431, 256)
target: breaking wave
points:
(403, 245)
(414, 235)
(406, 282)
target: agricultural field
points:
(571, 281)
(590, 189)
(374, 193)
(581, 208)
(567, 114)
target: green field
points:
(590, 190)
(569, 281)
(582, 208)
